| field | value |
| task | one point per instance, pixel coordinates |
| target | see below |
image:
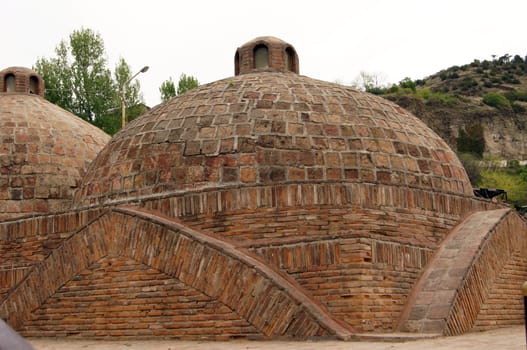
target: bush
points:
(439, 97)
(408, 83)
(517, 108)
(516, 96)
(471, 164)
(471, 140)
(496, 100)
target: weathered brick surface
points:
(44, 152)
(285, 127)
(117, 296)
(26, 242)
(504, 305)
(204, 287)
(334, 239)
(463, 285)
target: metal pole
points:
(524, 292)
(123, 107)
(123, 95)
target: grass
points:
(513, 180)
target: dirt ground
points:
(501, 339)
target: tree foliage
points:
(78, 79)
(123, 74)
(369, 82)
(167, 90)
(471, 140)
(185, 83)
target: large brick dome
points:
(264, 205)
(44, 149)
(269, 126)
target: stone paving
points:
(502, 339)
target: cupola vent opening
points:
(21, 81)
(265, 53)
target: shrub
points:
(516, 96)
(471, 165)
(408, 83)
(517, 108)
(496, 100)
(471, 140)
(432, 96)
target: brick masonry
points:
(226, 292)
(270, 128)
(466, 284)
(42, 159)
(264, 205)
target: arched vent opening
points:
(237, 62)
(10, 83)
(291, 61)
(33, 85)
(261, 56)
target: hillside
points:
(478, 108)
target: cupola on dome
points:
(45, 149)
(272, 203)
(263, 127)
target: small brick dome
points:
(265, 127)
(44, 149)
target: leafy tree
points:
(408, 83)
(185, 83)
(122, 74)
(56, 73)
(167, 90)
(78, 79)
(369, 82)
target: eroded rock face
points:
(504, 132)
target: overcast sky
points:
(335, 40)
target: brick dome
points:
(271, 126)
(44, 149)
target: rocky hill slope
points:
(479, 108)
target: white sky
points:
(335, 40)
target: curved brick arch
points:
(455, 286)
(54, 271)
(274, 304)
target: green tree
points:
(56, 73)
(185, 83)
(408, 83)
(78, 79)
(167, 90)
(369, 82)
(122, 74)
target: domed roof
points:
(45, 150)
(271, 127)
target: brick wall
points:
(504, 304)
(474, 278)
(119, 297)
(356, 248)
(167, 271)
(27, 242)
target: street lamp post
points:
(123, 93)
